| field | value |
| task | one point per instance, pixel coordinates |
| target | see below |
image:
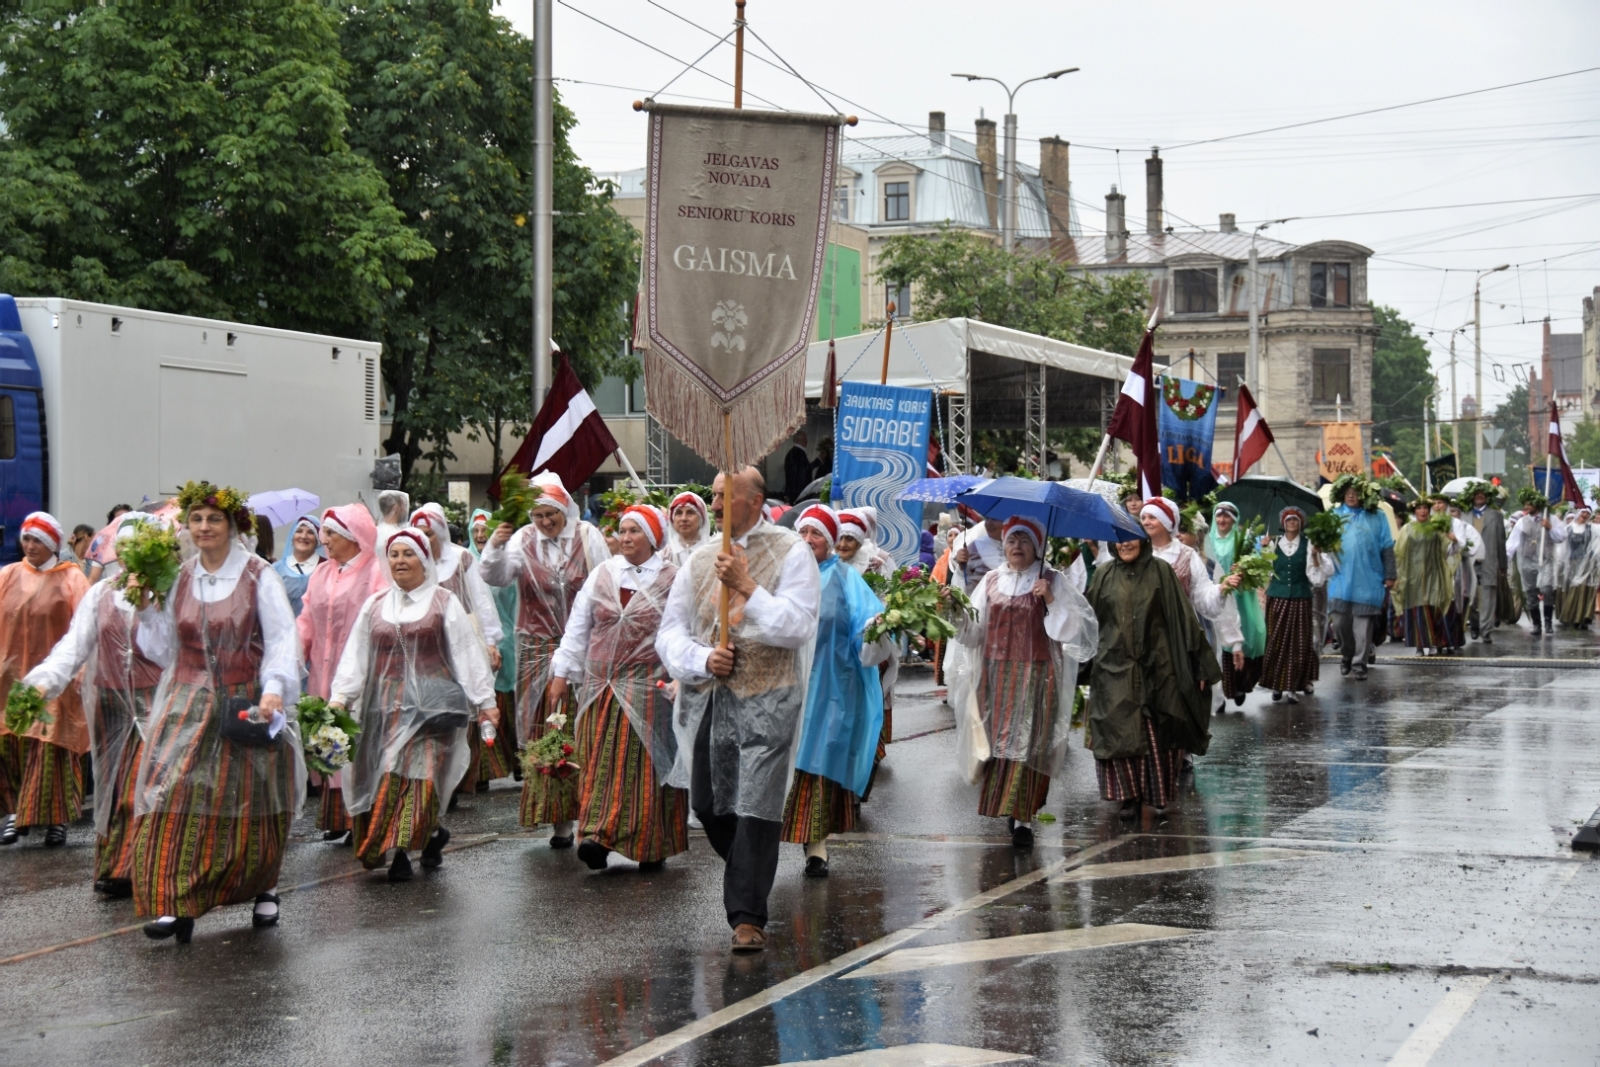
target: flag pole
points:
(638, 483)
(1542, 531)
(1105, 439)
(727, 417)
(888, 331)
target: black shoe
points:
(592, 853)
(433, 851)
(339, 837)
(1291, 698)
(1277, 695)
(400, 866)
(1361, 675)
(161, 929)
(1129, 810)
(1238, 700)
(481, 787)
(259, 918)
(1488, 639)
(55, 836)
(1021, 837)
(652, 866)
(1344, 668)
(561, 842)
(816, 867)
(1307, 690)
(114, 888)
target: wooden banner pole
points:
(727, 523)
(888, 331)
(738, 54)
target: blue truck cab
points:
(24, 450)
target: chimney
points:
(1226, 224)
(1054, 173)
(1152, 193)
(936, 127)
(1116, 225)
(989, 164)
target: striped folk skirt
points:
(1427, 627)
(1291, 663)
(1575, 606)
(12, 757)
(1152, 779)
(619, 803)
(817, 807)
(404, 814)
(113, 852)
(543, 799)
(1238, 683)
(331, 814)
(1012, 788)
(50, 789)
(186, 860)
(499, 759)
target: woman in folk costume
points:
(332, 601)
(499, 760)
(857, 548)
(1469, 546)
(623, 728)
(1211, 600)
(1149, 692)
(212, 810)
(548, 561)
(691, 526)
(1225, 544)
(1031, 632)
(297, 564)
(116, 690)
(840, 731)
(1425, 575)
(1578, 568)
(457, 571)
(412, 751)
(41, 781)
(1291, 664)
(1532, 546)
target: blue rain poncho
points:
(1362, 547)
(844, 702)
(505, 603)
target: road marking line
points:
(1190, 862)
(1021, 945)
(118, 931)
(920, 1055)
(682, 1036)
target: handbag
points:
(238, 727)
(430, 706)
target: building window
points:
(617, 398)
(897, 202)
(1230, 368)
(1330, 375)
(1195, 291)
(841, 203)
(898, 294)
(1330, 285)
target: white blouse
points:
(503, 563)
(468, 662)
(1317, 573)
(480, 602)
(280, 660)
(574, 648)
(1208, 598)
(73, 650)
(1060, 622)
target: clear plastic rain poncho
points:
(1225, 550)
(403, 637)
(844, 700)
(1021, 668)
(1578, 557)
(214, 650)
(505, 604)
(36, 609)
(545, 594)
(622, 658)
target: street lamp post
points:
(1008, 209)
(1477, 345)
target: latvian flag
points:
(568, 438)
(1569, 485)
(1134, 419)
(1251, 436)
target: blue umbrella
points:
(941, 490)
(1065, 512)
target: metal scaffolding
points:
(655, 451)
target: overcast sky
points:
(1172, 73)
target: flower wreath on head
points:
(1365, 486)
(225, 499)
(1532, 500)
(1493, 495)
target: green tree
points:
(1512, 417)
(1402, 385)
(192, 158)
(442, 104)
(958, 273)
(1583, 448)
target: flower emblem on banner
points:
(1187, 408)
(728, 316)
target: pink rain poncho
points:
(334, 598)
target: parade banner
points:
(736, 222)
(881, 446)
(1188, 423)
(1342, 451)
(1442, 471)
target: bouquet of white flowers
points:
(331, 746)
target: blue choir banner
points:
(880, 447)
(1188, 422)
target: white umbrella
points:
(282, 506)
(1456, 486)
(1112, 492)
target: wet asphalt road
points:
(1379, 874)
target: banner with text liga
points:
(881, 446)
(736, 225)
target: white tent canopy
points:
(944, 345)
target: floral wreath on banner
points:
(1187, 408)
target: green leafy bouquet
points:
(517, 500)
(623, 497)
(1062, 551)
(151, 555)
(548, 760)
(1254, 570)
(24, 707)
(916, 605)
(327, 735)
(1325, 531)
(1436, 524)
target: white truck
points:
(101, 405)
